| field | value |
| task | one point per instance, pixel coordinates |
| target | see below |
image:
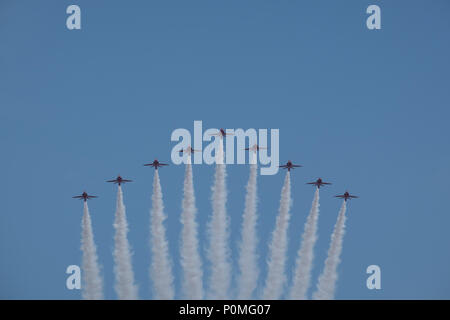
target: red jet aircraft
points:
(119, 180)
(189, 150)
(255, 148)
(319, 183)
(222, 133)
(346, 196)
(289, 165)
(84, 196)
(155, 164)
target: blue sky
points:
(367, 110)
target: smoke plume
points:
(218, 252)
(93, 284)
(327, 280)
(276, 276)
(190, 258)
(248, 263)
(161, 268)
(304, 263)
(125, 287)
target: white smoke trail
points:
(161, 268)
(327, 280)
(278, 247)
(248, 263)
(302, 275)
(93, 284)
(218, 251)
(125, 287)
(190, 258)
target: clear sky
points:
(366, 110)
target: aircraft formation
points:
(189, 150)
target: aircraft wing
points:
(77, 197)
(220, 134)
